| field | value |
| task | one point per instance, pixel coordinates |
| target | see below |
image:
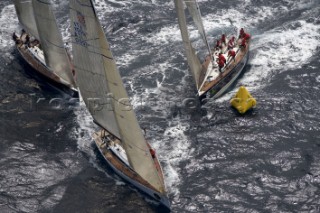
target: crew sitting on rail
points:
(243, 43)
(27, 39)
(231, 42)
(246, 36)
(16, 38)
(232, 54)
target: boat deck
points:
(214, 76)
(34, 56)
(104, 140)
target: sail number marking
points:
(80, 30)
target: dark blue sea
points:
(214, 159)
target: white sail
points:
(51, 41)
(25, 15)
(194, 11)
(193, 60)
(89, 71)
(98, 75)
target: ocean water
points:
(214, 160)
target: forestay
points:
(25, 15)
(98, 76)
(193, 59)
(51, 41)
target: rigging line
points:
(101, 55)
(48, 3)
(132, 144)
(25, 2)
(93, 73)
(82, 4)
(43, 17)
(93, 39)
(61, 47)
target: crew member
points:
(27, 39)
(14, 36)
(246, 36)
(243, 43)
(221, 65)
(218, 44)
(232, 54)
(223, 39)
(231, 42)
(241, 33)
(222, 58)
(153, 153)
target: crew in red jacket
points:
(218, 44)
(221, 65)
(231, 42)
(243, 43)
(232, 54)
(246, 36)
(241, 33)
(222, 58)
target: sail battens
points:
(121, 122)
(56, 56)
(193, 60)
(25, 15)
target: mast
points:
(193, 60)
(51, 41)
(25, 15)
(194, 11)
(98, 75)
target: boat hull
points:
(220, 88)
(45, 72)
(127, 174)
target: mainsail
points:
(97, 76)
(193, 59)
(25, 15)
(50, 38)
(195, 13)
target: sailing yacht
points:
(212, 78)
(120, 140)
(41, 44)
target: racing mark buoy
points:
(243, 101)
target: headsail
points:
(51, 40)
(98, 75)
(193, 59)
(194, 11)
(25, 15)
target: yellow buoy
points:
(243, 101)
